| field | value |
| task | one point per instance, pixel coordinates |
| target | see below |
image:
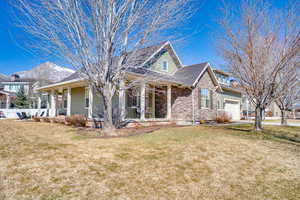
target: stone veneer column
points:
(143, 96)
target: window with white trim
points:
(205, 98)
(165, 66)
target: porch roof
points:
(78, 82)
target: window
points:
(205, 98)
(133, 103)
(165, 66)
(87, 99)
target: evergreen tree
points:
(21, 100)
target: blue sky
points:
(197, 47)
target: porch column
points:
(53, 103)
(7, 101)
(122, 101)
(143, 96)
(69, 103)
(39, 102)
(169, 102)
(153, 102)
(91, 99)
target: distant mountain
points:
(46, 71)
(3, 77)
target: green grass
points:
(46, 161)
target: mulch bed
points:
(121, 133)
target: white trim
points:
(16, 83)
(69, 101)
(207, 66)
(226, 99)
(91, 99)
(162, 46)
(169, 101)
(3, 92)
(181, 65)
(61, 83)
(142, 100)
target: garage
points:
(232, 107)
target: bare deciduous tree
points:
(100, 37)
(258, 42)
(288, 82)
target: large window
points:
(205, 98)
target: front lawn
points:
(51, 161)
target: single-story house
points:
(167, 91)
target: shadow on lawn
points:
(266, 133)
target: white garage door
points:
(233, 109)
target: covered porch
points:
(142, 102)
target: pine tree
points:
(21, 100)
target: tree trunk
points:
(109, 127)
(258, 119)
(283, 118)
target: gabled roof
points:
(189, 74)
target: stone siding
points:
(182, 102)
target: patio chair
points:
(41, 115)
(21, 117)
(25, 116)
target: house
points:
(10, 86)
(167, 91)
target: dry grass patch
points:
(44, 161)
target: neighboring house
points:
(166, 91)
(11, 86)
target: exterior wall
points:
(78, 101)
(98, 108)
(158, 64)
(205, 113)
(182, 102)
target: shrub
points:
(46, 119)
(36, 119)
(223, 118)
(77, 120)
(59, 120)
